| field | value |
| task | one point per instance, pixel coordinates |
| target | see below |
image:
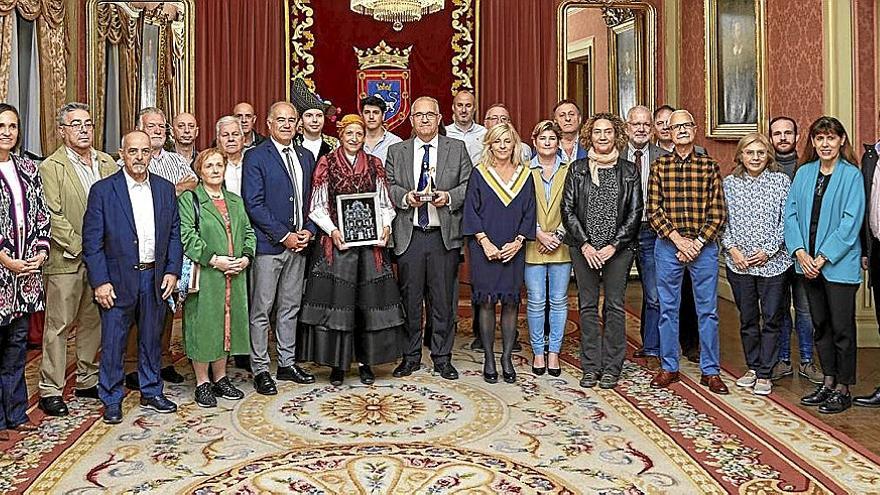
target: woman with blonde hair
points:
(548, 264)
(755, 254)
(602, 212)
(499, 217)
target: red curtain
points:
(518, 59)
(239, 57)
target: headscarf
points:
(348, 120)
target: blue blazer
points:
(840, 220)
(268, 194)
(110, 242)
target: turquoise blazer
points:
(840, 220)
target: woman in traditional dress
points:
(217, 234)
(499, 217)
(24, 247)
(352, 308)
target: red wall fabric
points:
(866, 70)
(239, 57)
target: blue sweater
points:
(840, 220)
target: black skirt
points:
(351, 311)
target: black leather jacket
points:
(576, 200)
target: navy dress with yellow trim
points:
(502, 212)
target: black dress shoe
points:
(819, 396)
(872, 400)
(366, 374)
(639, 353)
(405, 368)
(337, 376)
(132, 382)
(447, 371)
(264, 384)
(113, 414)
(159, 403)
(170, 375)
(86, 393)
(53, 406)
(836, 403)
(294, 374)
(477, 345)
(517, 347)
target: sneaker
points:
(782, 369)
(204, 395)
(763, 386)
(590, 379)
(226, 390)
(747, 380)
(810, 371)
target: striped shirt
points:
(88, 173)
(686, 195)
(169, 166)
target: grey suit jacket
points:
(452, 174)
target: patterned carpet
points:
(426, 435)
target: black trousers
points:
(833, 308)
(760, 301)
(428, 267)
(874, 274)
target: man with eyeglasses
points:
(185, 130)
(427, 232)
(276, 189)
(68, 175)
(686, 208)
(498, 113)
(244, 111)
(567, 115)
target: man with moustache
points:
(276, 189)
(377, 139)
(686, 208)
(427, 235)
(312, 111)
(784, 137)
(68, 175)
(567, 115)
(185, 130)
(133, 256)
(463, 126)
(642, 153)
(244, 112)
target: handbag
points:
(190, 271)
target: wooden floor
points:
(858, 423)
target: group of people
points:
(101, 246)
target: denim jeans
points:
(803, 324)
(536, 278)
(760, 301)
(704, 273)
(651, 306)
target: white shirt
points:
(313, 146)
(232, 176)
(645, 172)
(167, 165)
(7, 170)
(298, 173)
(418, 155)
(141, 196)
(472, 137)
(380, 151)
(88, 173)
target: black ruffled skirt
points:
(352, 311)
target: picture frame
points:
(736, 95)
(358, 218)
(626, 53)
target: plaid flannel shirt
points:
(686, 195)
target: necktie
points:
(288, 159)
(424, 179)
(638, 155)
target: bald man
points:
(245, 113)
(463, 126)
(185, 130)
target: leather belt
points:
(426, 229)
(145, 266)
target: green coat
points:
(204, 310)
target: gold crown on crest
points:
(383, 56)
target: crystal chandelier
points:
(397, 11)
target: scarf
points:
(597, 161)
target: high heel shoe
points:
(509, 377)
(490, 377)
(539, 371)
(554, 371)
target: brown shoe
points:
(652, 363)
(639, 353)
(664, 378)
(715, 384)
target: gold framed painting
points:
(626, 50)
(736, 96)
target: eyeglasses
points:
(281, 121)
(424, 116)
(78, 124)
(501, 119)
(682, 126)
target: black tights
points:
(508, 335)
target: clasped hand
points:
(596, 258)
(230, 265)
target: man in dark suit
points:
(276, 187)
(134, 258)
(244, 111)
(427, 235)
(871, 245)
